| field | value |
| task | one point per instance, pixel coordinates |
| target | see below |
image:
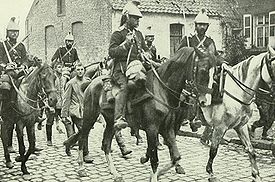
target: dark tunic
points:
(68, 59)
(208, 43)
(18, 54)
(119, 53)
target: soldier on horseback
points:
(13, 62)
(67, 54)
(203, 43)
(125, 46)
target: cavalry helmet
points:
(202, 17)
(69, 37)
(12, 25)
(131, 9)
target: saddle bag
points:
(135, 73)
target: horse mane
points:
(240, 70)
(178, 68)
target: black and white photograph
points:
(137, 90)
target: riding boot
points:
(119, 122)
(49, 135)
(121, 144)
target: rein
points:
(173, 92)
(243, 86)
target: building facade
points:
(258, 23)
(93, 21)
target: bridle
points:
(265, 61)
(42, 93)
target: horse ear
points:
(271, 51)
(37, 61)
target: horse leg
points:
(152, 151)
(4, 137)
(31, 140)
(170, 140)
(22, 149)
(244, 137)
(108, 136)
(217, 136)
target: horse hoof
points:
(213, 179)
(180, 170)
(143, 160)
(119, 179)
(18, 159)
(82, 173)
(257, 179)
(25, 172)
(9, 165)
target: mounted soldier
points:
(13, 62)
(203, 43)
(67, 55)
(126, 46)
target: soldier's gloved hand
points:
(11, 66)
(130, 38)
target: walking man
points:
(72, 107)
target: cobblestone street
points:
(52, 164)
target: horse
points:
(159, 114)
(240, 86)
(25, 110)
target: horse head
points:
(268, 72)
(47, 79)
(204, 69)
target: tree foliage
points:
(235, 50)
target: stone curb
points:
(259, 144)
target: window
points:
(50, 42)
(77, 31)
(247, 23)
(175, 37)
(60, 7)
(272, 27)
(261, 31)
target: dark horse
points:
(25, 110)
(156, 115)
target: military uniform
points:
(194, 41)
(120, 52)
(67, 56)
(18, 55)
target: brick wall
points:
(95, 16)
(98, 23)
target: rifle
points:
(13, 47)
(7, 52)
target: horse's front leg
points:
(244, 137)
(31, 139)
(170, 140)
(106, 147)
(22, 150)
(217, 136)
(152, 151)
(4, 137)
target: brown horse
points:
(241, 84)
(25, 110)
(159, 114)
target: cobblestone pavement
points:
(52, 164)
